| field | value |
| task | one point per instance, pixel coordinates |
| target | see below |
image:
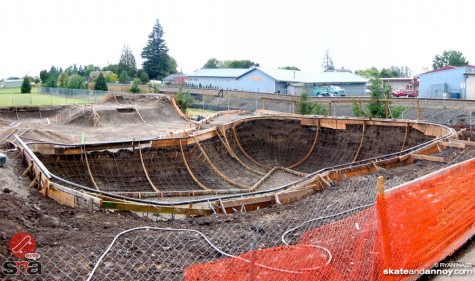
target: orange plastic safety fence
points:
(431, 217)
(411, 227)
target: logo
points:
(23, 246)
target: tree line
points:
(157, 64)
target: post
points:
(329, 108)
(359, 105)
(387, 108)
(252, 262)
(419, 117)
(383, 223)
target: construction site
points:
(132, 188)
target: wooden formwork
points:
(244, 198)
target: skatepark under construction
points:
(237, 162)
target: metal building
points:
(448, 82)
(13, 82)
(275, 80)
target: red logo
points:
(22, 243)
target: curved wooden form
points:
(361, 143)
(236, 139)
(405, 137)
(309, 152)
(145, 170)
(89, 171)
(189, 170)
(216, 170)
(225, 142)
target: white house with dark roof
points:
(275, 80)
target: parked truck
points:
(329, 91)
(411, 90)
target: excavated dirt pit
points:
(256, 146)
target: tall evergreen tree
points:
(26, 85)
(124, 77)
(157, 63)
(127, 62)
(101, 84)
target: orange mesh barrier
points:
(411, 227)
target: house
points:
(176, 79)
(281, 81)
(448, 82)
(94, 74)
(12, 82)
(397, 82)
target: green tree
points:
(290, 68)
(44, 75)
(372, 72)
(450, 57)
(134, 89)
(101, 84)
(26, 85)
(63, 80)
(377, 108)
(156, 61)
(111, 78)
(77, 82)
(239, 64)
(124, 77)
(212, 63)
(183, 100)
(127, 62)
(144, 77)
(50, 82)
(305, 107)
(112, 67)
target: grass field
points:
(192, 112)
(14, 97)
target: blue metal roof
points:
(283, 75)
(220, 72)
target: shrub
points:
(26, 86)
(305, 106)
(101, 84)
(183, 100)
(134, 89)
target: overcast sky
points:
(36, 34)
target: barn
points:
(280, 81)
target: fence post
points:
(383, 224)
(419, 117)
(252, 263)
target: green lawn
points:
(14, 97)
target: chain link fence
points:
(332, 235)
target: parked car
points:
(404, 93)
(330, 90)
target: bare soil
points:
(54, 225)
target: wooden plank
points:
(61, 197)
(76, 193)
(453, 144)
(165, 143)
(135, 207)
(467, 143)
(428, 158)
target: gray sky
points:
(359, 34)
